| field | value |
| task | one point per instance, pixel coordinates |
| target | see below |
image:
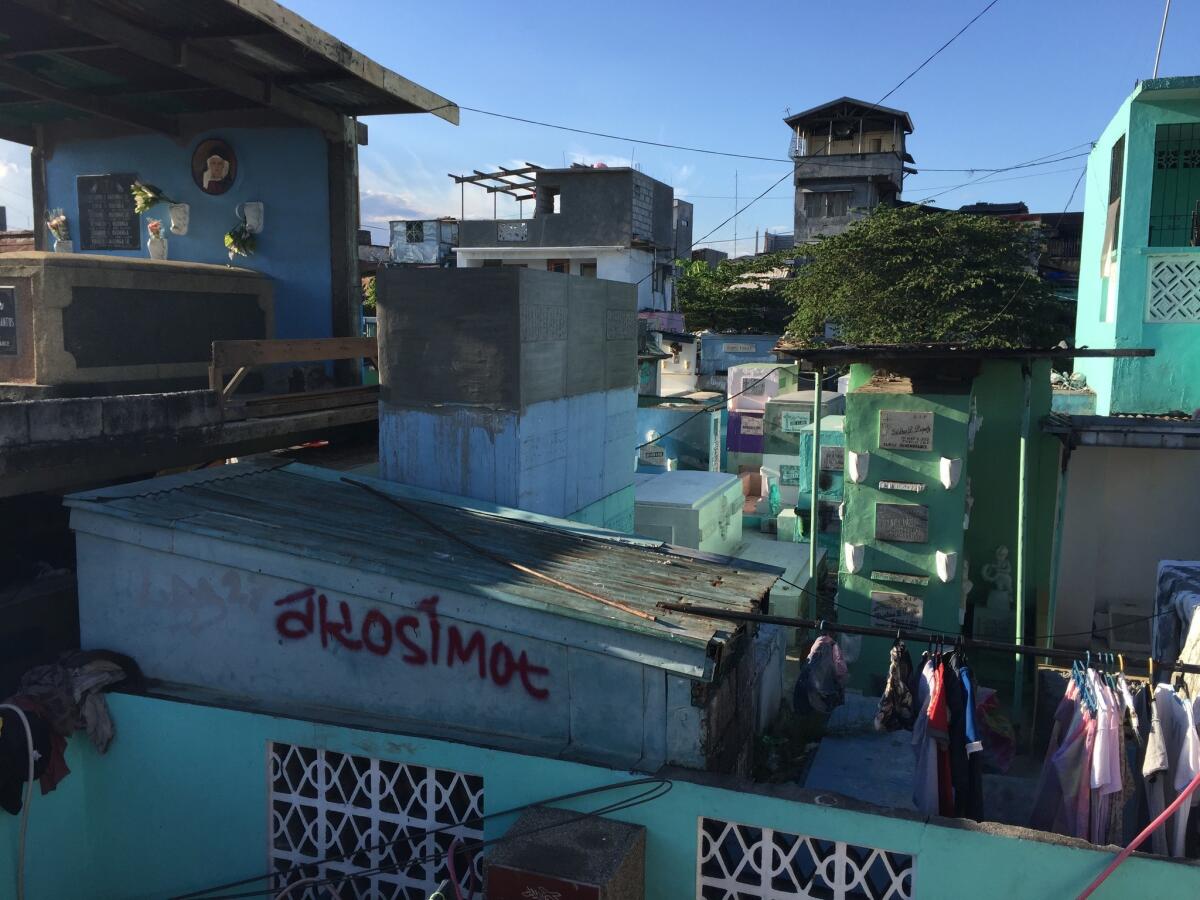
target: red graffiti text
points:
(311, 613)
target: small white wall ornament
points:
(947, 565)
(858, 464)
(853, 554)
(949, 470)
(252, 214)
(181, 214)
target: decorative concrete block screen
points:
(326, 805)
(1174, 292)
(743, 862)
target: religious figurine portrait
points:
(214, 166)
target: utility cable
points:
(659, 787)
(1025, 280)
(800, 165)
(28, 798)
(710, 152)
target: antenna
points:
(1161, 34)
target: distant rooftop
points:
(847, 107)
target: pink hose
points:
(1137, 841)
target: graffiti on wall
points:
(308, 612)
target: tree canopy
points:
(910, 275)
(730, 299)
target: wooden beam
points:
(346, 57)
(346, 294)
(56, 48)
(90, 19)
(16, 77)
(231, 354)
(37, 179)
(18, 134)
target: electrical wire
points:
(659, 788)
(902, 81)
(1025, 280)
(28, 798)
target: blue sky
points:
(1029, 79)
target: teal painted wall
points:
(995, 467)
(1171, 379)
(942, 601)
(180, 803)
(830, 488)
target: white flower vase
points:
(63, 246)
(157, 247)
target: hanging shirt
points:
(1165, 750)
(1187, 769)
(925, 787)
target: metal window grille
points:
(1173, 294)
(743, 862)
(1175, 189)
(325, 804)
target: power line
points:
(710, 152)
(800, 165)
(1048, 159)
(979, 15)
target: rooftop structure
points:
(604, 222)
(850, 157)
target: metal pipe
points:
(905, 634)
(1060, 518)
(1022, 540)
(1162, 32)
(819, 376)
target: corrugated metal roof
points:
(315, 513)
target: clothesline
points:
(915, 636)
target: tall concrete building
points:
(850, 157)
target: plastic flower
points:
(146, 196)
(154, 226)
(239, 241)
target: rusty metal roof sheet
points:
(316, 513)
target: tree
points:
(730, 298)
(908, 275)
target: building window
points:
(1112, 223)
(587, 270)
(826, 204)
(1175, 189)
(547, 201)
(414, 232)
(559, 265)
(326, 805)
(876, 145)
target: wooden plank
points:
(294, 404)
(236, 380)
(37, 176)
(18, 134)
(346, 57)
(231, 354)
(16, 77)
